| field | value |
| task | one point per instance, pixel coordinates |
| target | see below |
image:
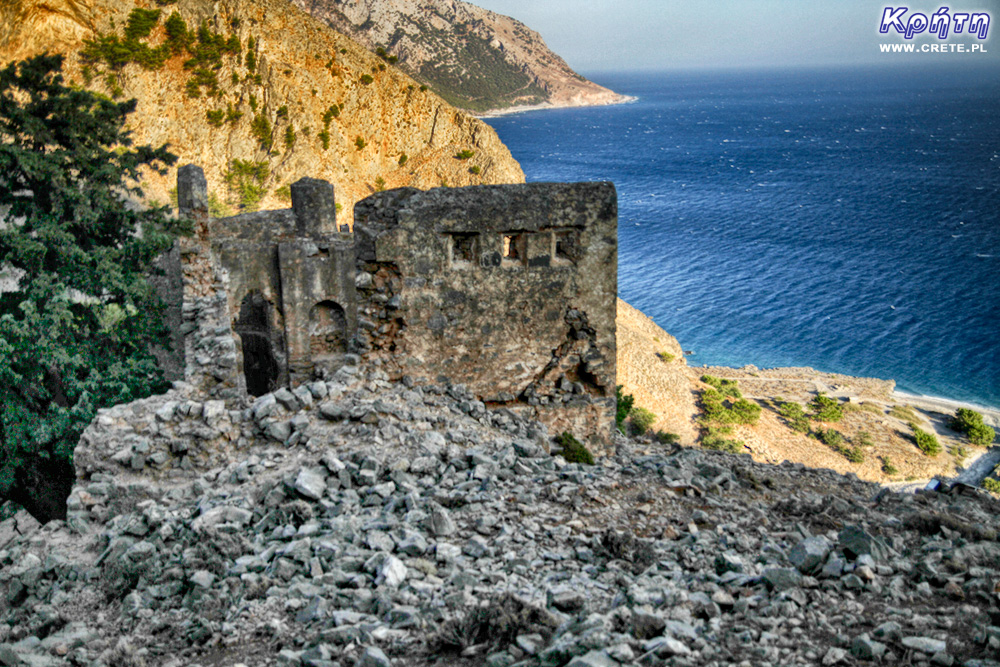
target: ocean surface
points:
(847, 220)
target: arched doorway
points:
(254, 327)
(327, 330)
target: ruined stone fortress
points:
(509, 290)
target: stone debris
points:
(440, 533)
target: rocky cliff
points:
(260, 94)
(474, 58)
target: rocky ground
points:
(361, 522)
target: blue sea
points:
(847, 220)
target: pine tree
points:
(75, 332)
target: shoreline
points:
(510, 111)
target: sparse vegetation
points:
(379, 184)
(360, 143)
(665, 438)
(795, 416)
(289, 137)
(665, 356)
(217, 208)
(926, 442)
(284, 193)
(464, 154)
(972, 425)
(888, 468)
(826, 409)
(260, 128)
(725, 387)
(475, 169)
(215, 117)
(991, 485)
(402, 159)
(835, 441)
(717, 410)
(246, 180)
(862, 407)
(641, 419)
(904, 413)
(624, 403)
(714, 437)
(366, 79)
(494, 624)
(864, 439)
(573, 450)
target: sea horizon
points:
(742, 161)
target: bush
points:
(324, 139)
(716, 410)
(725, 387)
(624, 403)
(366, 79)
(289, 137)
(665, 438)
(864, 439)
(464, 154)
(830, 438)
(641, 419)
(475, 169)
(360, 143)
(573, 450)
(971, 424)
(379, 184)
(926, 442)
(246, 180)
(402, 159)
(495, 625)
(714, 438)
(665, 356)
(215, 117)
(887, 466)
(260, 128)
(826, 409)
(991, 485)
(795, 416)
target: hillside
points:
(403, 526)
(474, 58)
(262, 93)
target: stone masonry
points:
(508, 290)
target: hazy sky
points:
(595, 35)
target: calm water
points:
(845, 220)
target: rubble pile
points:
(365, 522)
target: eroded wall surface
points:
(509, 290)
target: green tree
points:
(76, 330)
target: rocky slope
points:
(877, 422)
(292, 98)
(474, 58)
(361, 522)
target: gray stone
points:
(192, 190)
(374, 657)
(476, 547)
(392, 572)
(310, 483)
(220, 515)
(203, 579)
(279, 431)
(314, 205)
(856, 542)
(925, 644)
(593, 659)
(808, 555)
(835, 656)
(666, 647)
(865, 648)
(782, 578)
(440, 522)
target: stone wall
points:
(508, 290)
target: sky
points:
(607, 35)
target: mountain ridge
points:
(475, 58)
(308, 102)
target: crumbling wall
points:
(509, 290)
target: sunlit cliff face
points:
(28, 27)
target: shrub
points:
(641, 419)
(826, 409)
(665, 356)
(366, 79)
(464, 154)
(282, 112)
(991, 485)
(246, 180)
(289, 137)
(725, 387)
(573, 450)
(284, 193)
(971, 424)
(232, 115)
(795, 416)
(854, 454)
(716, 410)
(926, 442)
(360, 143)
(178, 37)
(218, 208)
(402, 159)
(475, 169)
(864, 439)
(830, 438)
(379, 184)
(215, 117)
(714, 438)
(887, 466)
(324, 138)
(624, 403)
(260, 128)
(665, 438)
(495, 625)
(745, 412)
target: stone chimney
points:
(314, 206)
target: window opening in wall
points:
(514, 249)
(260, 367)
(566, 246)
(463, 248)
(327, 330)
